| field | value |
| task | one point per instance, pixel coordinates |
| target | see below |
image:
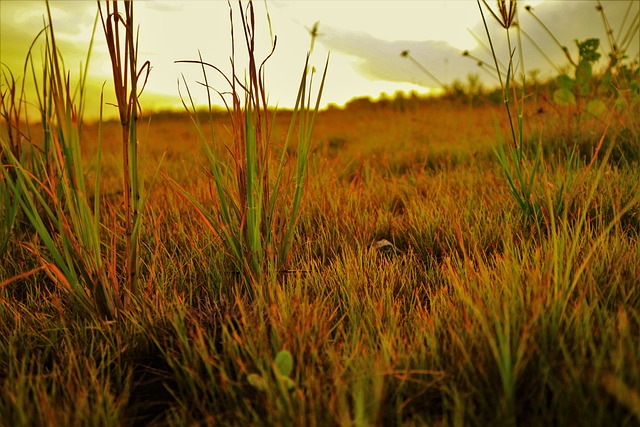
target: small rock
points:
(384, 246)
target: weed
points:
(259, 203)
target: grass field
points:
(474, 313)
(480, 316)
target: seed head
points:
(506, 12)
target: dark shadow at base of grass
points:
(150, 398)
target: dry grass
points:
(470, 321)
(477, 313)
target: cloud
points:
(379, 59)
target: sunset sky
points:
(365, 39)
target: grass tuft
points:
(258, 195)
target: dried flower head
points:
(506, 12)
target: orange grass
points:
(479, 316)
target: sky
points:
(364, 39)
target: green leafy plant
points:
(572, 91)
(589, 88)
(282, 368)
(258, 202)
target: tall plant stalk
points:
(520, 173)
(122, 42)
